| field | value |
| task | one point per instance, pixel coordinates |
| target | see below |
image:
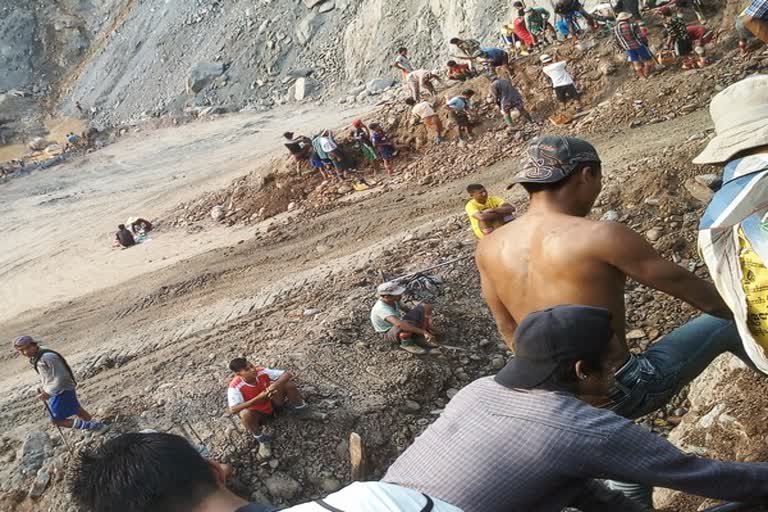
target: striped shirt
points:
(628, 36)
(496, 449)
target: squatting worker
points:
(57, 386)
(554, 255)
(397, 323)
(255, 393)
(156, 472)
(485, 212)
(533, 437)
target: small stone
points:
(330, 485)
(497, 363)
(652, 201)
(311, 312)
(327, 7)
(635, 334)
(451, 392)
(282, 486)
(218, 213)
(412, 405)
(40, 484)
(610, 216)
(707, 179)
(653, 234)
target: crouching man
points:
(255, 393)
(411, 328)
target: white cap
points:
(390, 288)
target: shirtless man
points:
(553, 255)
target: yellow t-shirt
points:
(754, 281)
(473, 207)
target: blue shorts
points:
(64, 405)
(641, 54)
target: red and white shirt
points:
(240, 391)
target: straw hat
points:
(623, 16)
(740, 115)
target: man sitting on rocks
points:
(553, 255)
(58, 386)
(485, 212)
(412, 330)
(123, 237)
(535, 437)
(255, 393)
(156, 472)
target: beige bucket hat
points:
(740, 114)
(623, 16)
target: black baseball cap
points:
(547, 337)
(551, 159)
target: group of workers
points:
(553, 429)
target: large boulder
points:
(203, 74)
(307, 27)
(311, 3)
(378, 85)
(37, 447)
(304, 87)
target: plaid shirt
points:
(496, 449)
(758, 9)
(628, 36)
(676, 28)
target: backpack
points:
(43, 351)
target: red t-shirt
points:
(240, 391)
(696, 32)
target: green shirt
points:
(380, 311)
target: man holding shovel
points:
(58, 385)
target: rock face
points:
(720, 424)
(203, 74)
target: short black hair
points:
(410, 101)
(402, 49)
(468, 92)
(238, 363)
(533, 188)
(288, 135)
(121, 226)
(451, 62)
(475, 187)
(139, 472)
(454, 40)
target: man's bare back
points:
(546, 258)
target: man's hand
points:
(42, 395)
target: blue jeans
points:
(647, 382)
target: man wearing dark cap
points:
(533, 437)
(58, 385)
(554, 255)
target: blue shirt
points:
(758, 9)
(494, 53)
(458, 103)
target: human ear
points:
(218, 472)
(580, 368)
